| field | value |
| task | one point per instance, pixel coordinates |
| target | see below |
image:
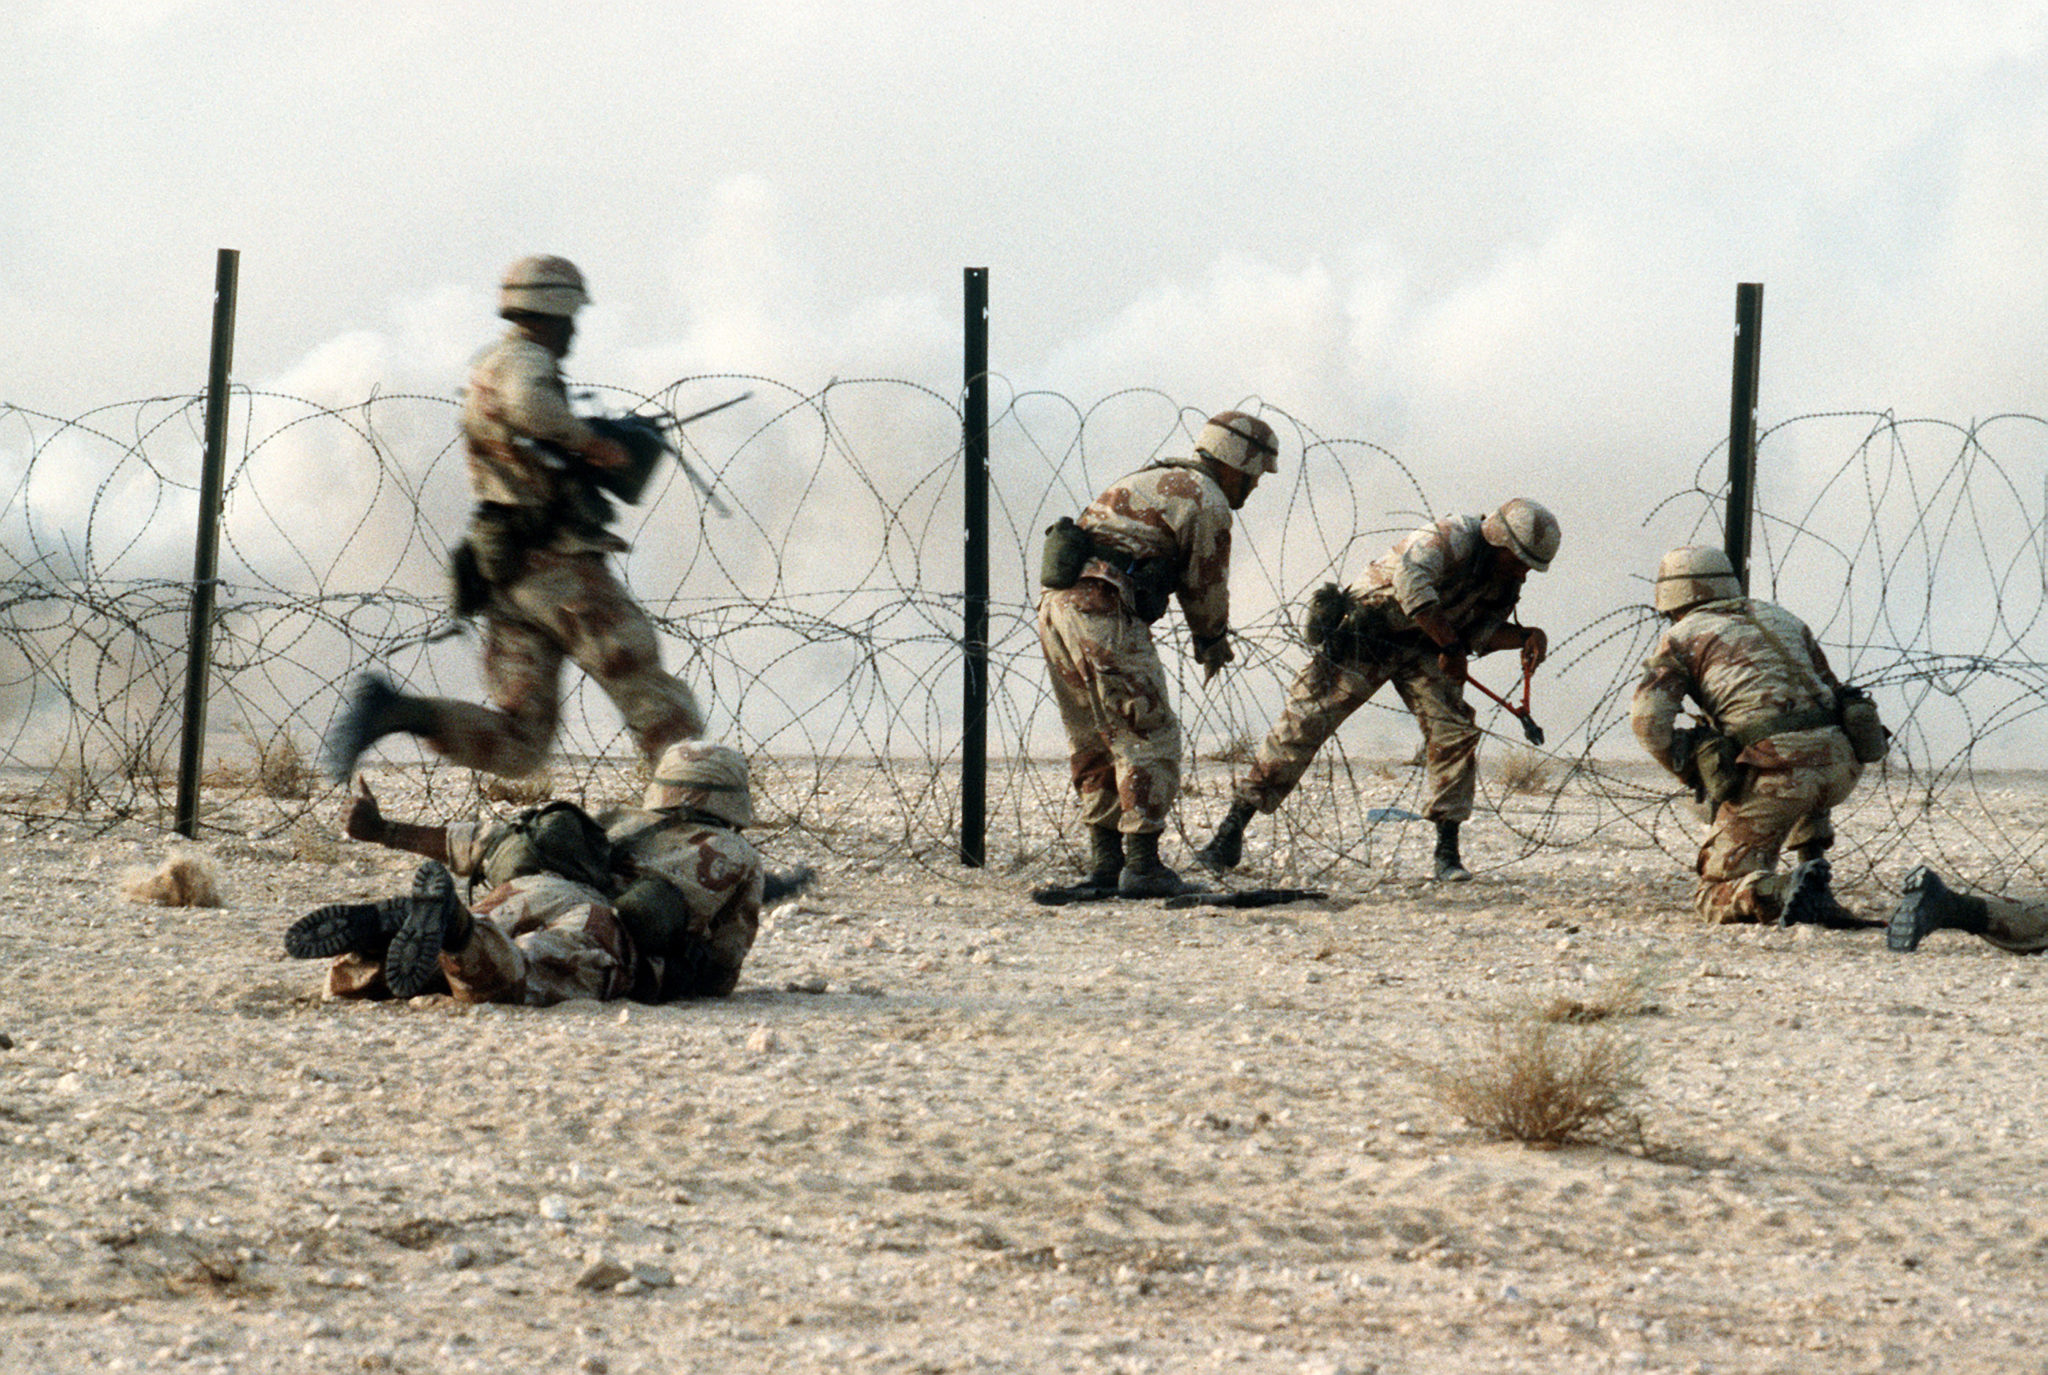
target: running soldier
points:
(534, 562)
(653, 904)
(1160, 533)
(1770, 758)
(1445, 592)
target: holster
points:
(468, 590)
(1707, 760)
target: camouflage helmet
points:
(542, 285)
(1693, 574)
(703, 777)
(1239, 441)
(1526, 529)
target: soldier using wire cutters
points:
(535, 563)
(1443, 593)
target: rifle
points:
(646, 439)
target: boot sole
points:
(359, 928)
(414, 957)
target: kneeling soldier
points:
(1771, 759)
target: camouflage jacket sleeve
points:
(469, 842)
(1653, 713)
(1204, 591)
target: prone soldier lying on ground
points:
(1927, 905)
(652, 903)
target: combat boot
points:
(374, 710)
(356, 928)
(1928, 904)
(435, 921)
(1449, 868)
(1225, 849)
(1105, 857)
(1811, 902)
(1144, 875)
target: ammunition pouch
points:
(1152, 584)
(499, 537)
(1868, 737)
(557, 838)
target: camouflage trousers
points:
(1794, 779)
(2021, 927)
(1123, 738)
(1323, 696)
(565, 606)
(538, 940)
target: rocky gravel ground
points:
(942, 1129)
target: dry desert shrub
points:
(1525, 771)
(1542, 1083)
(315, 843)
(187, 879)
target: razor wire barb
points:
(821, 621)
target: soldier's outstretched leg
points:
(356, 928)
(1928, 904)
(374, 710)
(1225, 849)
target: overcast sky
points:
(1502, 239)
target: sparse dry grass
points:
(1622, 995)
(1533, 1080)
(529, 791)
(1525, 771)
(315, 843)
(1239, 749)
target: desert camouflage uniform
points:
(543, 939)
(1106, 675)
(1448, 564)
(1719, 654)
(566, 602)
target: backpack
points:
(556, 838)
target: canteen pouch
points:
(1868, 737)
(1067, 551)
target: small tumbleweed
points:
(187, 879)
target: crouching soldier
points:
(1160, 533)
(1444, 592)
(1771, 757)
(655, 903)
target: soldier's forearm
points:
(429, 842)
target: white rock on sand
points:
(1003, 1137)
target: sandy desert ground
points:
(942, 1129)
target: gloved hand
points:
(1212, 655)
(1535, 648)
